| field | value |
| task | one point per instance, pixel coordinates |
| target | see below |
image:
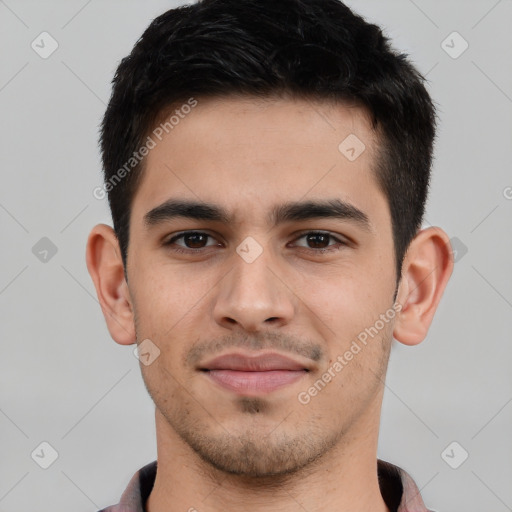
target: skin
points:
(219, 450)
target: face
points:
(260, 300)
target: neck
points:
(344, 479)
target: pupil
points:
(318, 236)
(194, 239)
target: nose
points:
(254, 296)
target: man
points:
(267, 166)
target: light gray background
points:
(64, 381)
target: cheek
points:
(347, 298)
(165, 295)
(345, 309)
(170, 311)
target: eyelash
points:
(333, 248)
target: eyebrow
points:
(287, 212)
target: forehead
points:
(250, 155)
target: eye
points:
(318, 241)
(195, 241)
(192, 240)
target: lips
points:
(258, 363)
(253, 375)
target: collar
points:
(398, 490)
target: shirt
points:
(398, 490)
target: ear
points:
(427, 267)
(105, 266)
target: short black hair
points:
(306, 49)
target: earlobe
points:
(105, 266)
(427, 268)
